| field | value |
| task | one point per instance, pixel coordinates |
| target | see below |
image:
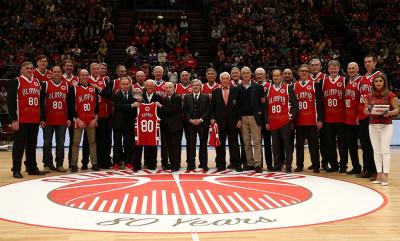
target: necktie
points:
(225, 95)
(196, 97)
(126, 96)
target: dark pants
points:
(186, 130)
(322, 146)
(233, 144)
(202, 131)
(282, 140)
(123, 142)
(164, 148)
(150, 156)
(311, 133)
(25, 140)
(48, 132)
(335, 132)
(266, 135)
(85, 146)
(243, 158)
(109, 138)
(174, 144)
(368, 152)
(351, 134)
(102, 143)
(292, 136)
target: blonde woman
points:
(380, 125)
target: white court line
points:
(113, 205)
(164, 201)
(154, 202)
(144, 204)
(175, 203)
(284, 202)
(294, 202)
(205, 203)
(243, 201)
(272, 200)
(216, 205)
(236, 204)
(256, 203)
(195, 236)
(266, 203)
(230, 209)
(94, 203)
(82, 205)
(182, 194)
(134, 204)
(102, 205)
(195, 204)
(124, 201)
(72, 205)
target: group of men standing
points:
(325, 109)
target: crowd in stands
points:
(79, 30)
(161, 43)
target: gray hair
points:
(224, 73)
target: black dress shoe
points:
(239, 169)
(17, 174)
(332, 169)
(310, 167)
(288, 170)
(166, 167)
(249, 168)
(270, 168)
(365, 174)
(35, 172)
(325, 167)
(277, 169)
(354, 171)
(316, 170)
(343, 170)
(84, 167)
(220, 169)
(95, 167)
(175, 169)
(298, 169)
(191, 168)
(230, 166)
(258, 169)
(74, 169)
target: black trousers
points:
(351, 134)
(202, 131)
(186, 132)
(282, 140)
(368, 152)
(48, 132)
(123, 142)
(322, 146)
(266, 135)
(335, 132)
(243, 158)
(85, 146)
(311, 133)
(150, 156)
(25, 140)
(164, 148)
(109, 138)
(174, 144)
(232, 133)
(102, 143)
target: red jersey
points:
(352, 101)
(365, 88)
(214, 135)
(265, 85)
(85, 102)
(235, 84)
(333, 94)
(317, 78)
(147, 126)
(103, 108)
(207, 89)
(305, 94)
(72, 80)
(28, 100)
(56, 103)
(160, 89)
(182, 90)
(115, 88)
(137, 86)
(278, 106)
(42, 77)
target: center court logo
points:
(160, 201)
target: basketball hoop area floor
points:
(158, 205)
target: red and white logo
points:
(147, 108)
(160, 201)
(309, 87)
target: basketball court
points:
(154, 205)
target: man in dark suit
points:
(250, 94)
(225, 112)
(150, 152)
(172, 125)
(123, 124)
(195, 110)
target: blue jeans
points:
(47, 145)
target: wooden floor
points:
(383, 225)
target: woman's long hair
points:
(385, 88)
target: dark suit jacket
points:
(225, 115)
(124, 114)
(203, 105)
(154, 98)
(256, 93)
(171, 113)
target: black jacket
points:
(124, 114)
(256, 93)
(225, 115)
(203, 105)
(171, 113)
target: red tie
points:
(225, 95)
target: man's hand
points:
(42, 124)
(69, 123)
(135, 105)
(239, 124)
(93, 123)
(267, 126)
(80, 123)
(158, 104)
(319, 125)
(15, 125)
